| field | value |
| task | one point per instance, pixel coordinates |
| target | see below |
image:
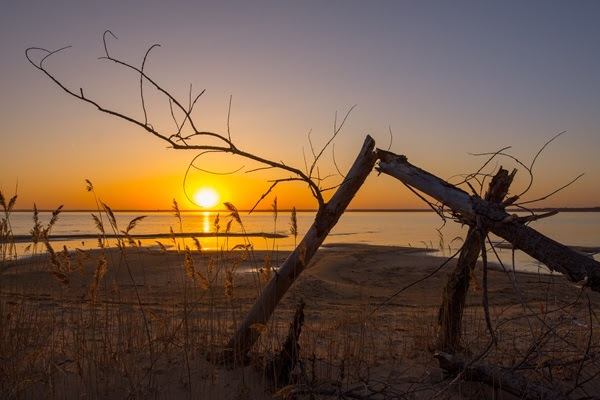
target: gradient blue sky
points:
(448, 77)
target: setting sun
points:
(206, 197)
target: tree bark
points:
(457, 286)
(455, 294)
(326, 218)
(574, 266)
(497, 377)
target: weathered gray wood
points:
(399, 167)
(574, 266)
(497, 377)
(326, 218)
(457, 286)
(455, 293)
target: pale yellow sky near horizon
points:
(448, 80)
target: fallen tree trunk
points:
(326, 218)
(457, 286)
(497, 377)
(574, 266)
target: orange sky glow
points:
(449, 81)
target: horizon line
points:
(564, 209)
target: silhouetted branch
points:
(553, 192)
(245, 337)
(530, 169)
(336, 130)
(142, 82)
(177, 140)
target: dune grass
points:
(127, 321)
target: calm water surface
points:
(417, 229)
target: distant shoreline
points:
(543, 209)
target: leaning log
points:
(455, 294)
(497, 377)
(574, 266)
(326, 218)
(457, 286)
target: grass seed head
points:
(233, 212)
(99, 224)
(274, 207)
(37, 230)
(188, 264)
(197, 244)
(294, 223)
(163, 249)
(111, 216)
(60, 277)
(133, 223)
(203, 281)
(176, 211)
(229, 287)
(98, 274)
(216, 223)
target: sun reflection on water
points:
(206, 222)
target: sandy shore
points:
(356, 322)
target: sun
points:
(206, 197)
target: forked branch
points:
(574, 266)
(177, 140)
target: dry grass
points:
(134, 322)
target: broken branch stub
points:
(574, 266)
(457, 286)
(326, 218)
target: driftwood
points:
(280, 369)
(326, 218)
(497, 377)
(457, 287)
(574, 266)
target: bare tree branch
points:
(336, 130)
(552, 193)
(142, 83)
(176, 140)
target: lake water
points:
(402, 228)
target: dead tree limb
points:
(193, 138)
(245, 337)
(455, 293)
(281, 367)
(188, 136)
(574, 266)
(457, 286)
(497, 377)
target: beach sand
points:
(359, 332)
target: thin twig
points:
(552, 193)
(442, 265)
(104, 40)
(336, 130)
(227, 147)
(335, 162)
(142, 82)
(229, 117)
(535, 159)
(485, 300)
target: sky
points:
(449, 79)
